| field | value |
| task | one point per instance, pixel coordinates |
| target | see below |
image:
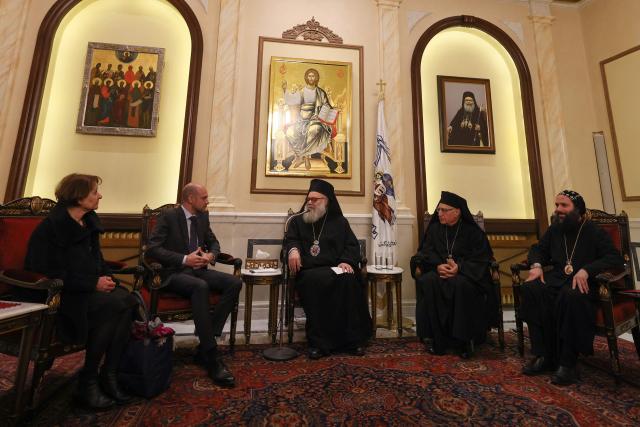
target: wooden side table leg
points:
(389, 305)
(26, 343)
(398, 286)
(274, 294)
(248, 302)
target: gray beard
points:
(314, 214)
(469, 108)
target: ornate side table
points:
(390, 278)
(261, 272)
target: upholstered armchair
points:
(495, 278)
(18, 219)
(165, 304)
(616, 313)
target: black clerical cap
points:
(455, 201)
(323, 187)
(577, 199)
(469, 94)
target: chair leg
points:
(635, 333)
(234, 323)
(501, 333)
(612, 341)
(40, 366)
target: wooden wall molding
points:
(35, 89)
(531, 133)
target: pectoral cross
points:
(381, 84)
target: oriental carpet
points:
(395, 383)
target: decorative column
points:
(13, 14)
(219, 163)
(540, 15)
(390, 62)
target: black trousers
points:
(196, 285)
(109, 317)
(561, 321)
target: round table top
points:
(371, 269)
(261, 272)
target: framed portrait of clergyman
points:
(120, 90)
(466, 122)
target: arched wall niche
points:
(504, 225)
(34, 113)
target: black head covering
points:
(576, 198)
(325, 188)
(455, 201)
(470, 95)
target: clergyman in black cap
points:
(455, 303)
(469, 126)
(335, 304)
(559, 306)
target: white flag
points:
(383, 226)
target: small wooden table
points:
(255, 277)
(25, 317)
(391, 278)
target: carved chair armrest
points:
(34, 281)
(363, 267)
(115, 265)
(494, 267)
(228, 259)
(610, 282)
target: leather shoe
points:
(357, 351)
(565, 376)
(89, 395)
(431, 347)
(316, 353)
(219, 373)
(538, 365)
(466, 350)
(109, 385)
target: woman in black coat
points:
(94, 310)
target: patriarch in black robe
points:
(559, 305)
(335, 304)
(469, 125)
(455, 302)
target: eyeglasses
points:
(444, 210)
(314, 199)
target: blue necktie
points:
(193, 234)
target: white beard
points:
(469, 108)
(314, 214)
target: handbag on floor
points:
(147, 362)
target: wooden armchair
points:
(616, 313)
(495, 278)
(165, 304)
(18, 219)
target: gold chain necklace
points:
(568, 269)
(315, 248)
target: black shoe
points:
(109, 385)
(538, 365)
(466, 350)
(90, 396)
(316, 353)
(201, 357)
(219, 373)
(565, 376)
(357, 351)
(432, 348)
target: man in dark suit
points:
(185, 245)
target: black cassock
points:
(459, 309)
(561, 320)
(335, 304)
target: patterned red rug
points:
(396, 383)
